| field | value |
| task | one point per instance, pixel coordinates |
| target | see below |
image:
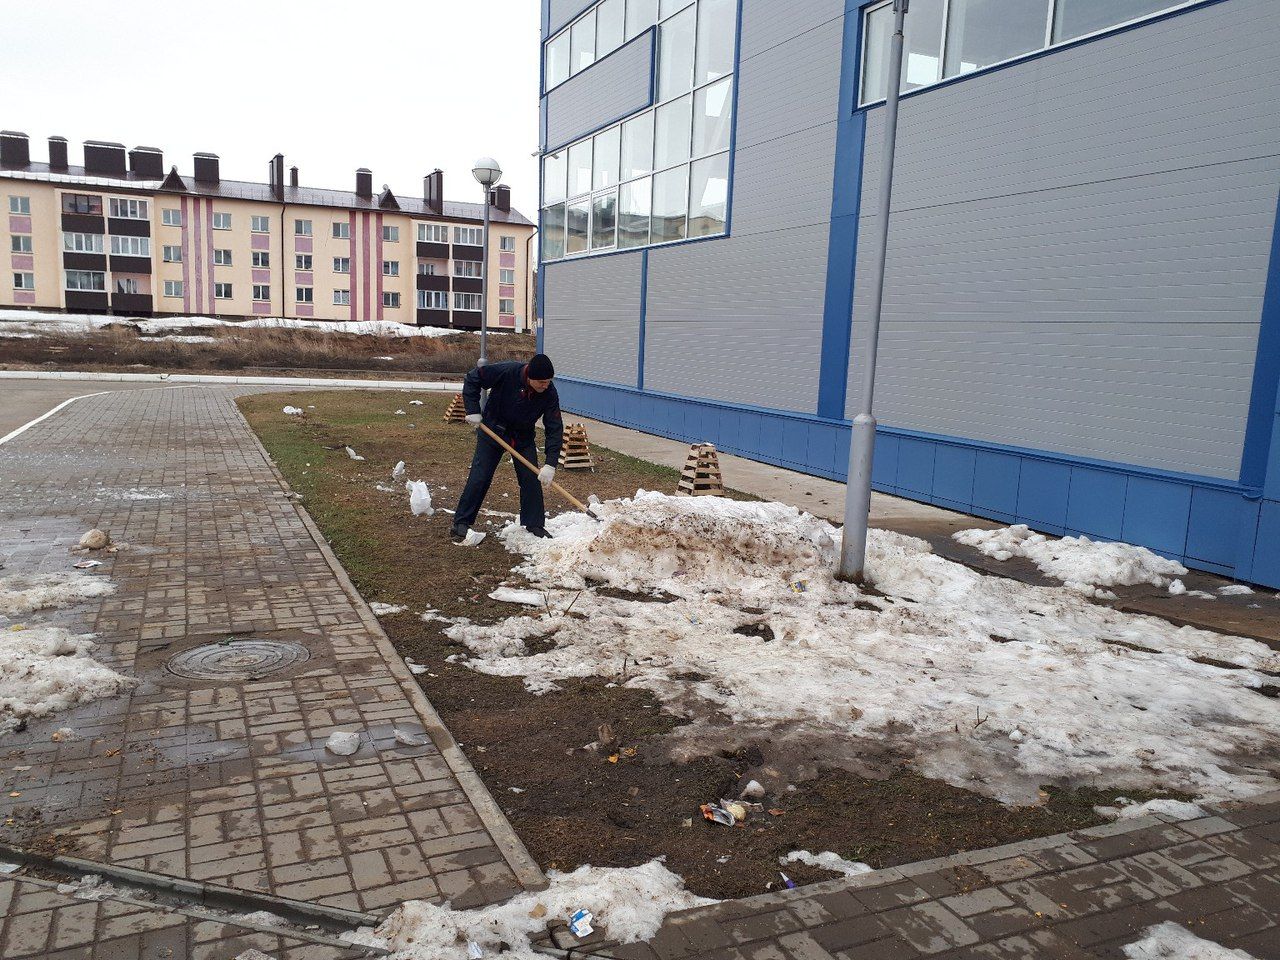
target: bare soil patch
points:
(569, 804)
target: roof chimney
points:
(206, 167)
(364, 183)
(433, 190)
(293, 176)
(15, 149)
(500, 197)
(104, 157)
(57, 153)
(276, 173)
(147, 162)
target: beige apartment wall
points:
(162, 236)
(523, 297)
(46, 242)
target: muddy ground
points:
(572, 805)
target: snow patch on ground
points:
(1078, 563)
(1128, 810)
(826, 861)
(1168, 941)
(386, 609)
(46, 669)
(630, 902)
(984, 682)
(22, 595)
(1235, 590)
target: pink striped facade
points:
(19, 223)
(24, 261)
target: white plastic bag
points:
(419, 498)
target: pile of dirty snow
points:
(1078, 563)
(46, 669)
(826, 861)
(630, 902)
(1168, 941)
(984, 682)
(23, 595)
(1126, 809)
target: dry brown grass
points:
(122, 347)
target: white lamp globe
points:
(486, 171)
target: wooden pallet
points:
(576, 454)
(701, 473)
(457, 412)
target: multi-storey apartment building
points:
(1081, 325)
(120, 235)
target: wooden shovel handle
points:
(515, 453)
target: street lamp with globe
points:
(487, 174)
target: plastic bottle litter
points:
(787, 881)
(419, 498)
(343, 743)
(580, 924)
(398, 470)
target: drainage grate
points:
(240, 658)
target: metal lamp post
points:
(487, 173)
(857, 499)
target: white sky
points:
(398, 86)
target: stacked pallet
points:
(701, 473)
(575, 454)
(457, 412)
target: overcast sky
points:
(399, 87)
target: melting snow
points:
(1079, 563)
(386, 609)
(979, 680)
(352, 454)
(343, 742)
(46, 669)
(1168, 941)
(1128, 810)
(20, 595)
(826, 861)
(292, 411)
(1234, 590)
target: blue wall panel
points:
(995, 484)
(1266, 557)
(915, 465)
(1213, 526)
(953, 469)
(1156, 515)
(1042, 494)
(1095, 503)
(884, 462)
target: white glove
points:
(546, 475)
(473, 421)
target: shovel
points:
(559, 489)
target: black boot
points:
(458, 532)
(539, 532)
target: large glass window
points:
(983, 32)
(922, 47)
(609, 27)
(580, 168)
(554, 169)
(708, 195)
(716, 30)
(1075, 18)
(577, 219)
(553, 232)
(671, 133)
(712, 106)
(633, 213)
(637, 145)
(641, 15)
(670, 202)
(604, 220)
(605, 162)
(582, 43)
(675, 54)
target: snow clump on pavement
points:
(22, 595)
(1168, 941)
(46, 669)
(630, 902)
(826, 861)
(1128, 810)
(1078, 563)
(981, 681)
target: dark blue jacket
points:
(513, 406)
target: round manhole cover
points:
(245, 658)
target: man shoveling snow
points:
(519, 395)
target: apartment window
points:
(86, 280)
(222, 221)
(342, 298)
(507, 244)
(304, 294)
(341, 264)
(260, 224)
(72, 243)
(342, 230)
(391, 268)
(670, 204)
(82, 203)
(468, 268)
(391, 234)
(127, 285)
(604, 220)
(131, 246)
(24, 281)
(173, 288)
(427, 269)
(222, 291)
(1076, 18)
(302, 261)
(433, 300)
(433, 233)
(604, 168)
(260, 258)
(582, 42)
(466, 301)
(506, 276)
(302, 228)
(506, 305)
(708, 195)
(553, 231)
(172, 253)
(633, 212)
(21, 243)
(127, 208)
(390, 298)
(20, 205)
(221, 258)
(469, 235)
(171, 218)
(261, 292)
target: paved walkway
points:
(1077, 896)
(227, 781)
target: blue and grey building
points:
(1082, 305)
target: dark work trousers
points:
(483, 465)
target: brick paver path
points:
(1077, 896)
(228, 783)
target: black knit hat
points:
(540, 367)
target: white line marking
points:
(45, 416)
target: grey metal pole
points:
(857, 497)
(484, 285)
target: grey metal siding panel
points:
(1079, 246)
(592, 317)
(740, 319)
(616, 86)
(562, 11)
